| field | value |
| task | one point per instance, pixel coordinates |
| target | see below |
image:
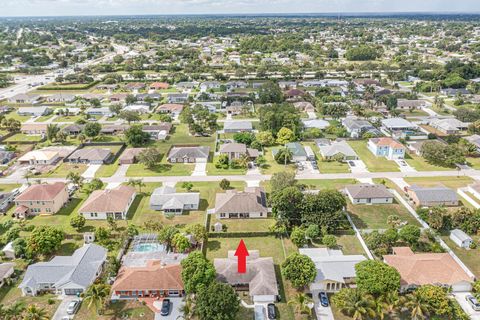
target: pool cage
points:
(144, 238)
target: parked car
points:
(165, 311)
(73, 306)
(323, 299)
(271, 313)
(473, 302)
(351, 163)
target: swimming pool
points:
(148, 247)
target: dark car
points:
(323, 299)
(272, 314)
(165, 311)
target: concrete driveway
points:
(404, 166)
(460, 297)
(200, 169)
(90, 172)
(357, 166)
(323, 313)
(62, 308)
(175, 309)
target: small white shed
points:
(460, 238)
(9, 251)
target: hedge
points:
(240, 234)
(76, 87)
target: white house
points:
(8, 250)
(335, 270)
(167, 200)
(114, 203)
(368, 194)
(461, 239)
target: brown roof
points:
(160, 85)
(387, 141)
(154, 276)
(109, 200)
(130, 153)
(91, 154)
(167, 126)
(171, 107)
(39, 192)
(34, 126)
(250, 200)
(233, 147)
(426, 268)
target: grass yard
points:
(471, 257)
(272, 166)
(373, 163)
(24, 137)
(107, 170)
(11, 294)
(212, 171)
(16, 116)
(133, 310)
(44, 118)
(375, 216)
(317, 184)
(62, 170)
(474, 162)
(245, 225)
(162, 169)
(451, 182)
(333, 167)
(68, 119)
(420, 164)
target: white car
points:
(473, 302)
(73, 306)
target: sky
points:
(134, 7)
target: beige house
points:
(432, 196)
(39, 157)
(237, 151)
(234, 204)
(114, 203)
(34, 128)
(41, 199)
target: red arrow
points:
(242, 254)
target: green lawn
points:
(374, 164)
(420, 164)
(162, 169)
(68, 119)
(63, 169)
(212, 171)
(333, 167)
(471, 257)
(16, 116)
(336, 184)
(44, 118)
(24, 137)
(474, 162)
(272, 166)
(375, 216)
(245, 225)
(451, 182)
(107, 170)
(11, 294)
(133, 310)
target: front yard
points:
(451, 182)
(373, 163)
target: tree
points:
(129, 116)
(298, 237)
(197, 271)
(276, 116)
(198, 231)
(329, 240)
(187, 186)
(92, 129)
(150, 157)
(362, 53)
(266, 139)
(45, 240)
(355, 303)
(94, 184)
(299, 269)
(217, 301)
(418, 308)
(96, 296)
(136, 183)
(166, 235)
(77, 221)
(281, 180)
(303, 303)
(244, 137)
(287, 205)
(324, 209)
(436, 298)
(283, 156)
(270, 93)
(313, 232)
(376, 277)
(75, 178)
(285, 135)
(410, 234)
(136, 137)
(225, 184)
(443, 155)
(180, 243)
(35, 313)
(52, 131)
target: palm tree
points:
(302, 303)
(96, 296)
(188, 309)
(52, 130)
(75, 178)
(359, 306)
(387, 304)
(418, 308)
(35, 313)
(15, 311)
(136, 183)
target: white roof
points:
(332, 264)
(460, 235)
(397, 123)
(38, 155)
(316, 123)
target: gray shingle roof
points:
(340, 147)
(365, 190)
(168, 198)
(189, 152)
(434, 194)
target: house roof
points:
(295, 147)
(91, 154)
(403, 103)
(354, 123)
(164, 195)
(397, 123)
(251, 200)
(434, 194)
(426, 268)
(163, 126)
(316, 123)
(5, 269)
(365, 190)
(460, 235)
(79, 269)
(42, 192)
(39, 109)
(172, 107)
(34, 127)
(237, 125)
(189, 152)
(38, 155)
(109, 200)
(131, 153)
(233, 147)
(153, 276)
(337, 147)
(159, 85)
(260, 273)
(387, 141)
(332, 264)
